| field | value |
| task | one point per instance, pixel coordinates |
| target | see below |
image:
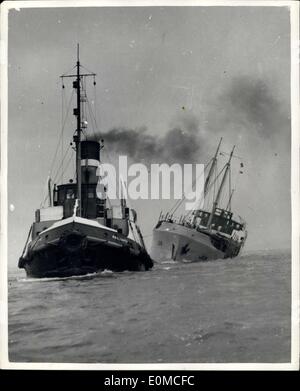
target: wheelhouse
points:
(92, 206)
(222, 221)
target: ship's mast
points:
(229, 201)
(77, 137)
(78, 134)
(215, 204)
(212, 167)
(208, 178)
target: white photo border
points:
(295, 209)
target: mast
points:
(207, 180)
(77, 112)
(211, 170)
(229, 201)
(78, 134)
(215, 204)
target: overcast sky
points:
(205, 71)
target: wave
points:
(104, 273)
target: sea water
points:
(224, 311)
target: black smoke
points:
(181, 143)
(246, 106)
(253, 103)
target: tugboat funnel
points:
(90, 159)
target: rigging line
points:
(65, 120)
(56, 177)
(45, 190)
(180, 203)
(184, 196)
(45, 199)
(229, 195)
(235, 183)
(95, 104)
(218, 186)
(217, 182)
(182, 199)
(68, 163)
(214, 181)
(221, 200)
(208, 186)
(211, 184)
(42, 203)
(63, 160)
(84, 67)
(65, 74)
(95, 135)
(189, 213)
(47, 195)
(82, 99)
(62, 121)
(65, 155)
(90, 113)
(92, 117)
(217, 177)
(214, 188)
(214, 184)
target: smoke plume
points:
(252, 103)
(181, 144)
(246, 107)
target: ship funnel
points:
(90, 159)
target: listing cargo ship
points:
(80, 231)
(201, 234)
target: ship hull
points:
(176, 242)
(81, 247)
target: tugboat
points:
(200, 234)
(78, 233)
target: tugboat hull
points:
(78, 247)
